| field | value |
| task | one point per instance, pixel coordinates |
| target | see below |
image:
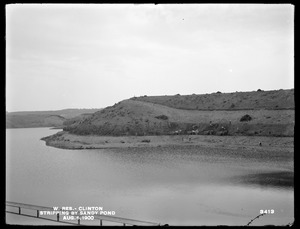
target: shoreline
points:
(65, 140)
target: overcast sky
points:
(92, 56)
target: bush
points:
(246, 118)
(146, 140)
(163, 117)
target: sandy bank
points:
(66, 140)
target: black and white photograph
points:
(149, 114)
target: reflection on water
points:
(176, 185)
(276, 179)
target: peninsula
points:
(253, 119)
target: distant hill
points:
(25, 119)
(264, 113)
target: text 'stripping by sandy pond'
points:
(82, 213)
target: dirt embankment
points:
(66, 140)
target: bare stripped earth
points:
(252, 120)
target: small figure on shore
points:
(260, 144)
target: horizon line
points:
(140, 96)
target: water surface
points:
(174, 185)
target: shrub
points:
(163, 117)
(146, 140)
(246, 118)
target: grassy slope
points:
(26, 119)
(270, 100)
(272, 114)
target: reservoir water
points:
(168, 185)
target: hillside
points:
(271, 114)
(255, 100)
(26, 119)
